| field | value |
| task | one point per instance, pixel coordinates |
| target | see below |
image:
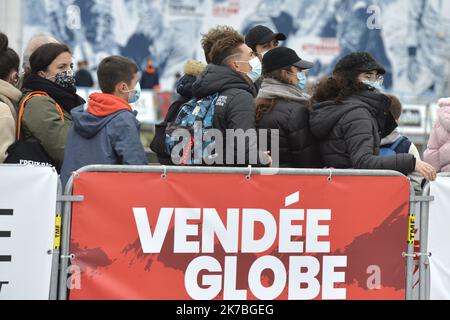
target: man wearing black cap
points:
(261, 39)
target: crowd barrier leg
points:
(424, 283)
(56, 249)
(67, 199)
(410, 254)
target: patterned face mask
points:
(65, 79)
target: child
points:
(105, 130)
(395, 143)
(438, 151)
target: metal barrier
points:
(424, 251)
(415, 202)
(419, 216)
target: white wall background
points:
(11, 22)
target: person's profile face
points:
(241, 62)
(62, 63)
(371, 76)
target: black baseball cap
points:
(283, 57)
(261, 35)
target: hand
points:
(270, 161)
(426, 170)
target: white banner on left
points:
(439, 239)
(27, 229)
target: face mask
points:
(65, 79)
(377, 85)
(133, 98)
(256, 71)
(301, 80)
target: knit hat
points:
(358, 61)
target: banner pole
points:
(56, 244)
(423, 259)
(410, 254)
(65, 243)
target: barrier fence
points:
(435, 257)
(29, 254)
(178, 233)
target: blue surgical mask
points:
(135, 94)
(377, 85)
(301, 80)
(256, 71)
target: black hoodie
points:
(235, 108)
(350, 133)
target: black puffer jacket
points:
(298, 147)
(350, 133)
(235, 107)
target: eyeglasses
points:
(374, 77)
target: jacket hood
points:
(184, 86)
(9, 91)
(445, 102)
(390, 139)
(444, 113)
(87, 125)
(325, 115)
(218, 79)
(102, 104)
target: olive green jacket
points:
(42, 122)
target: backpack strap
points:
(399, 141)
(23, 105)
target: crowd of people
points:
(256, 84)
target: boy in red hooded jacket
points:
(105, 130)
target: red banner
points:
(213, 236)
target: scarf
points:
(273, 89)
(67, 98)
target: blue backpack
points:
(196, 117)
(391, 150)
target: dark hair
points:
(113, 70)
(45, 55)
(220, 43)
(396, 106)
(339, 87)
(9, 59)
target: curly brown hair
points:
(338, 87)
(221, 42)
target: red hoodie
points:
(102, 104)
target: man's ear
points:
(42, 74)
(234, 65)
